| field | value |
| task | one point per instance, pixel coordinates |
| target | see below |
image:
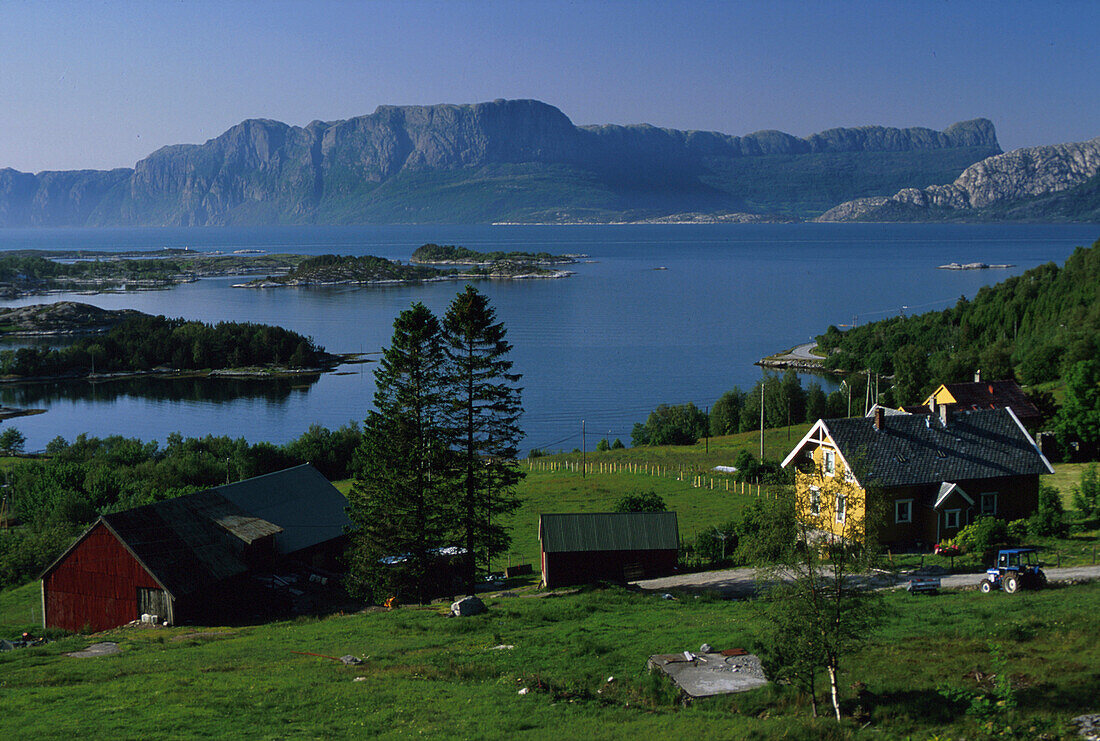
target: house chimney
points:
(945, 414)
(978, 376)
(880, 418)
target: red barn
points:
(179, 559)
(580, 548)
(191, 559)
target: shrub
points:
(603, 445)
(1050, 518)
(638, 501)
(536, 453)
(717, 544)
(983, 534)
(1086, 496)
(617, 445)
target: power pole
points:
(762, 384)
(584, 455)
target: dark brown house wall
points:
(583, 567)
(1017, 498)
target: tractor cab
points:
(1015, 568)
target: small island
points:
(128, 343)
(30, 272)
(435, 254)
(342, 270)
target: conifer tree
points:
(400, 503)
(484, 426)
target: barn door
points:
(153, 602)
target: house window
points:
(828, 462)
(989, 503)
(903, 510)
(841, 507)
(951, 518)
(815, 501)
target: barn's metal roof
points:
(301, 501)
(190, 541)
(609, 531)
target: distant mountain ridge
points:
(1049, 182)
(517, 160)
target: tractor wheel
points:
(1040, 579)
(986, 586)
(1011, 584)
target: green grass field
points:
(427, 674)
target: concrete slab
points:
(710, 674)
(96, 649)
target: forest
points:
(1034, 327)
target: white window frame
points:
(841, 507)
(952, 514)
(828, 462)
(908, 504)
(987, 496)
(815, 501)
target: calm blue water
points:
(605, 346)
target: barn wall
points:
(96, 585)
(582, 567)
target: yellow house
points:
(921, 477)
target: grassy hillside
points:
(428, 675)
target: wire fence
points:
(689, 476)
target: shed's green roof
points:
(609, 531)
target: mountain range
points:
(505, 160)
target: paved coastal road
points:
(741, 582)
(802, 352)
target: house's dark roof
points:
(609, 531)
(993, 395)
(190, 541)
(918, 449)
(301, 501)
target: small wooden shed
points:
(579, 548)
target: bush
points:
(12, 441)
(1086, 496)
(1050, 518)
(717, 544)
(617, 445)
(603, 445)
(984, 534)
(536, 453)
(638, 501)
(766, 531)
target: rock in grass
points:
(467, 606)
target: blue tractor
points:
(1016, 568)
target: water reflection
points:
(196, 389)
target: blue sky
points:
(102, 84)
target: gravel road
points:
(741, 582)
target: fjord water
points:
(658, 313)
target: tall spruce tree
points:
(484, 426)
(400, 503)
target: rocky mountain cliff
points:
(994, 187)
(519, 160)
